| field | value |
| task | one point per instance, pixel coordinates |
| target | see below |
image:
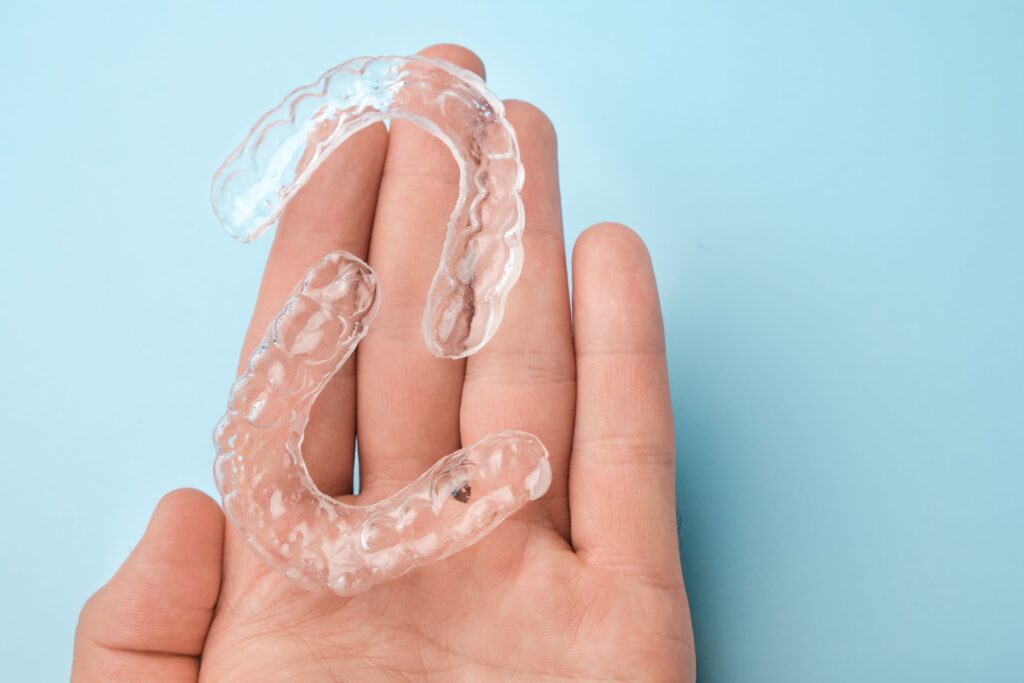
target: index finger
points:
(333, 211)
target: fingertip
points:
(457, 55)
(614, 291)
(187, 501)
(186, 511)
(607, 242)
(529, 119)
(188, 498)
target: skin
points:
(584, 584)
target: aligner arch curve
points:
(267, 493)
(483, 252)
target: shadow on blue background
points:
(833, 196)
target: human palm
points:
(584, 583)
(519, 606)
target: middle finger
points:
(407, 399)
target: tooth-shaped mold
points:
(482, 254)
(267, 492)
(269, 496)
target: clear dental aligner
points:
(482, 254)
(267, 492)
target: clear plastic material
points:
(267, 492)
(483, 251)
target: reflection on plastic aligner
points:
(267, 492)
(482, 255)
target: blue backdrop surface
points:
(834, 197)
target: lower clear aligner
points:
(315, 540)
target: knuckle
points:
(626, 449)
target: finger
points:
(408, 399)
(525, 377)
(622, 471)
(333, 211)
(150, 621)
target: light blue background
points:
(833, 195)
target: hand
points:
(583, 584)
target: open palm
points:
(584, 583)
